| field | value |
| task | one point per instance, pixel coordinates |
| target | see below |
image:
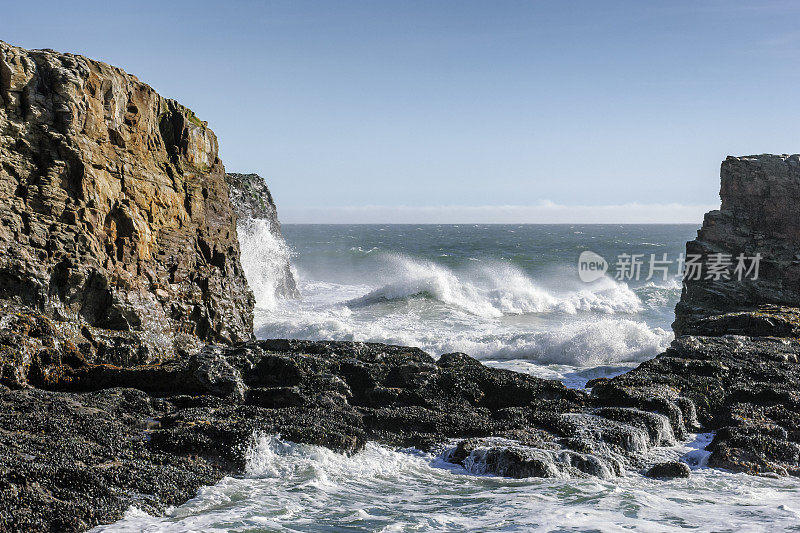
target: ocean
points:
(511, 296)
(508, 295)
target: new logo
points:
(591, 266)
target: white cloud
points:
(545, 212)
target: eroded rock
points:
(747, 389)
(114, 210)
(760, 195)
(256, 214)
(669, 470)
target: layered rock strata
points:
(736, 355)
(114, 210)
(758, 217)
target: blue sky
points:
(461, 111)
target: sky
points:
(461, 111)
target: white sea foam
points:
(491, 311)
(590, 343)
(496, 290)
(265, 259)
(658, 294)
(580, 342)
(300, 487)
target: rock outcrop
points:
(760, 197)
(267, 259)
(250, 198)
(114, 210)
(91, 440)
(745, 389)
(737, 354)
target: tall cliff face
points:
(759, 215)
(114, 210)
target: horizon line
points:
(542, 213)
(490, 223)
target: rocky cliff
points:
(251, 198)
(259, 228)
(737, 349)
(114, 211)
(758, 216)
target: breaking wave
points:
(296, 487)
(490, 308)
(496, 290)
(467, 297)
(265, 258)
(594, 340)
(591, 343)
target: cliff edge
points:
(758, 218)
(114, 211)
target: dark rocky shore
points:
(129, 375)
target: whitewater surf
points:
(510, 296)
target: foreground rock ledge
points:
(91, 440)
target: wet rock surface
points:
(747, 389)
(72, 461)
(81, 442)
(669, 470)
(90, 440)
(95, 435)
